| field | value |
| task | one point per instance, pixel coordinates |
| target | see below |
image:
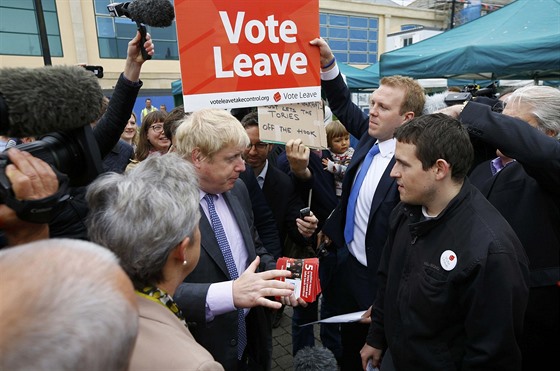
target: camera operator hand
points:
(134, 58)
(31, 179)
(453, 111)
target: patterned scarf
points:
(163, 298)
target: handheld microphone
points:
(155, 13)
(36, 101)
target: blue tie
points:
(232, 269)
(354, 192)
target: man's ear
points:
(408, 116)
(442, 168)
(196, 157)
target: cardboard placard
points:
(280, 123)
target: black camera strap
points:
(39, 211)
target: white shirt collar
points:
(387, 147)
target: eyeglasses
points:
(157, 128)
(259, 145)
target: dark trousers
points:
(359, 289)
(303, 336)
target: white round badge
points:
(448, 260)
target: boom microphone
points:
(155, 13)
(315, 359)
(36, 101)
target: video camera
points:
(77, 161)
(471, 91)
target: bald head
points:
(70, 307)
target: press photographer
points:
(79, 156)
(35, 101)
(475, 93)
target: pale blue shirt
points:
(219, 299)
(262, 176)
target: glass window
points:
(372, 58)
(105, 27)
(405, 27)
(358, 22)
(358, 34)
(338, 45)
(55, 45)
(101, 7)
(107, 47)
(122, 47)
(358, 46)
(167, 50)
(51, 22)
(338, 33)
(20, 4)
(19, 44)
(19, 30)
(18, 21)
(353, 39)
(166, 33)
(338, 20)
(358, 58)
(125, 28)
(341, 57)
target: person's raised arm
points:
(108, 130)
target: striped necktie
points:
(232, 269)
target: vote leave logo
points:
(277, 97)
(448, 260)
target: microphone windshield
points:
(155, 13)
(48, 99)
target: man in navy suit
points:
(224, 297)
(397, 100)
(285, 204)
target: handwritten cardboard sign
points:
(247, 53)
(280, 123)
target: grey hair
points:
(144, 214)
(62, 308)
(544, 102)
(209, 130)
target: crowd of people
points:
(443, 227)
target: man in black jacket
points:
(523, 183)
(453, 278)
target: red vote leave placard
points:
(243, 53)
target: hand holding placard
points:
(281, 123)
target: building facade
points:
(82, 31)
